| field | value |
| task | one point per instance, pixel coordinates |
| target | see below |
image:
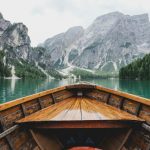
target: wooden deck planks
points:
(78, 108)
(108, 112)
(88, 113)
(74, 112)
(50, 112)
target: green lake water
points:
(12, 89)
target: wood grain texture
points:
(8, 117)
(79, 108)
(115, 141)
(4, 145)
(47, 141)
(125, 95)
(21, 139)
(139, 139)
(99, 95)
(145, 113)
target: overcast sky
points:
(45, 18)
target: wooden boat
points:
(76, 117)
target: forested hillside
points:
(139, 69)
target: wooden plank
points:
(31, 107)
(125, 139)
(138, 109)
(53, 99)
(107, 112)
(126, 95)
(8, 131)
(4, 134)
(9, 143)
(63, 112)
(71, 109)
(109, 95)
(23, 109)
(130, 106)
(107, 124)
(115, 139)
(21, 139)
(47, 141)
(36, 140)
(74, 111)
(121, 103)
(8, 117)
(39, 101)
(2, 124)
(88, 112)
(53, 112)
(145, 113)
(115, 101)
(146, 127)
(46, 101)
(98, 95)
(4, 144)
(61, 95)
(139, 139)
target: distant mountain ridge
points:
(113, 40)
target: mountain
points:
(58, 47)
(15, 53)
(138, 69)
(112, 41)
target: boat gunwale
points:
(22, 100)
(129, 96)
(29, 98)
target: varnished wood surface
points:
(76, 124)
(136, 98)
(77, 108)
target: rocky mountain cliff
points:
(15, 52)
(110, 42)
(58, 47)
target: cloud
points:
(45, 18)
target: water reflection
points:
(110, 83)
(136, 87)
(12, 89)
(13, 83)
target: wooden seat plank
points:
(109, 112)
(88, 113)
(74, 112)
(79, 109)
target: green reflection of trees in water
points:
(137, 87)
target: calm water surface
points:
(12, 89)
